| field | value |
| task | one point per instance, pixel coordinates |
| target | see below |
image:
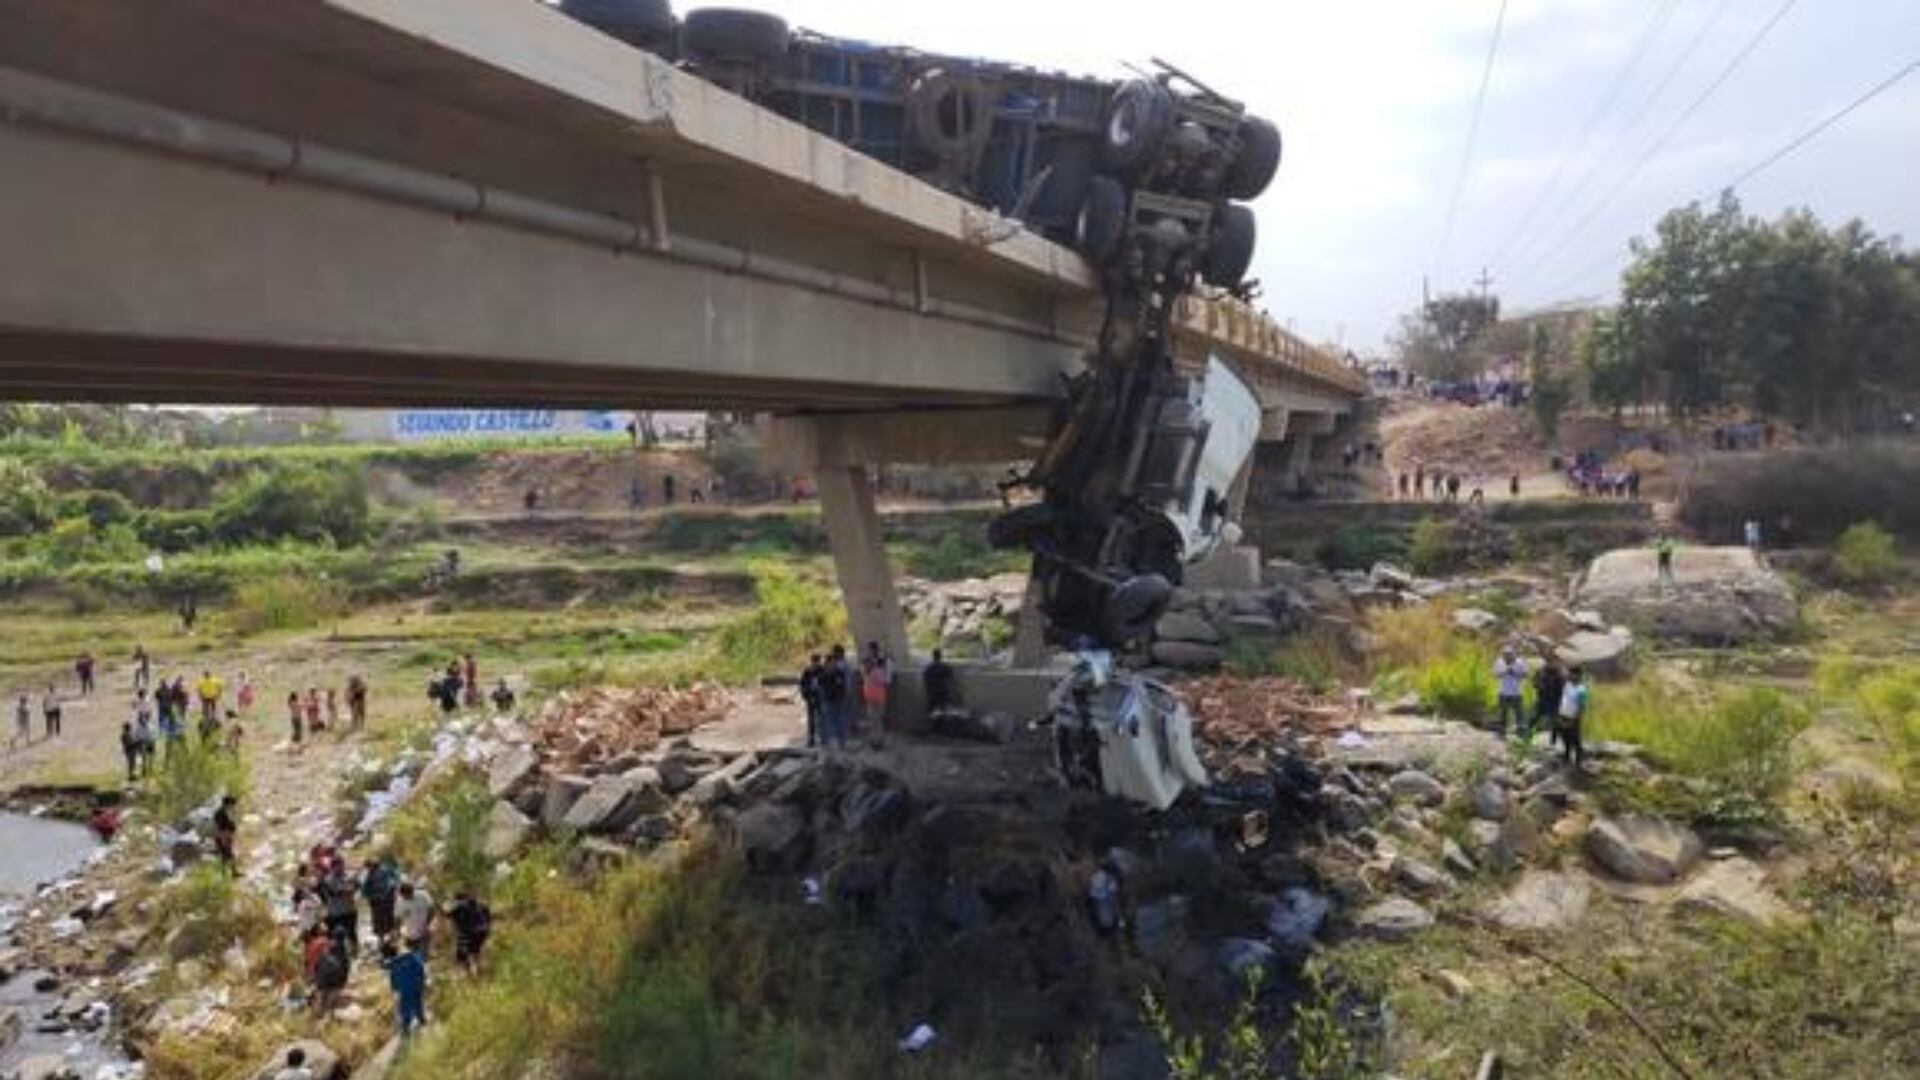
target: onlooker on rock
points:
(1511, 671)
(416, 913)
(1573, 711)
(938, 681)
(503, 698)
(810, 678)
(225, 831)
(380, 884)
(50, 710)
(1548, 682)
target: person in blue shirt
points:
(407, 974)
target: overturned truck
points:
(1148, 178)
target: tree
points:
(1436, 340)
(1551, 386)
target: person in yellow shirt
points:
(209, 689)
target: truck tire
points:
(950, 115)
(735, 34)
(1230, 255)
(1259, 158)
(1103, 220)
(1134, 606)
(1016, 528)
(644, 24)
(1065, 191)
(1138, 120)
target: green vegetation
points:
(1434, 549)
(289, 603)
(671, 968)
(790, 617)
(1733, 750)
(1787, 318)
(958, 553)
(1866, 555)
(1823, 491)
(1460, 685)
(190, 774)
(1358, 547)
(443, 829)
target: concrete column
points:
(860, 559)
(1030, 633)
(1299, 455)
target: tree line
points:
(1788, 319)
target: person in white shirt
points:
(1511, 671)
(416, 913)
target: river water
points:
(33, 852)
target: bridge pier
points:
(860, 559)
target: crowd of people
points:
(1448, 485)
(844, 700)
(1561, 701)
(1588, 474)
(402, 914)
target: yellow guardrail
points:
(1255, 337)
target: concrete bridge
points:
(480, 202)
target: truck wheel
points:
(1259, 158)
(644, 24)
(1138, 119)
(950, 115)
(1103, 220)
(1134, 606)
(1016, 528)
(735, 34)
(1231, 254)
(1065, 191)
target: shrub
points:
(1434, 548)
(1740, 743)
(190, 775)
(294, 501)
(790, 617)
(1357, 547)
(1866, 555)
(26, 503)
(1460, 686)
(284, 603)
(174, 531)
(956, 554)
(1412, 637)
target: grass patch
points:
(1460, 685)
(1738, 744)
(672, 968)
(287, 603)
(1412, 637)
(1866, 556)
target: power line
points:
(1633, 122)
(1473, 135)
(1753, 42)
(1635, 54)
(1814, 132)
(1772, 159)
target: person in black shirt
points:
(472, 924)
(1548, 682)
(225, 829)
(939, 683)
(810, 697)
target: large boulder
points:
(561, 791)
(1187, 655)
(1542, 901)
(1735, 887)
(1605, 656)
(1718, 595)
(1393, 919)
(1643, 850)
(510, 769)
(614, 802)
(1186, 626)
(507, 829)
(771, 836)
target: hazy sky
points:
(1374, 98)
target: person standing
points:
(142, 668)
(22, 723)
(503, 698)
(50, 710)
(810, 697)
(416, 913)
(1663, 549)
(1573, 712)
(357, 702)
(1513, 486)
(143, 735)
(244, 697)
(1548, 683)
(225, 831)
(83, 671)
(938, 683)
(1750, 533)
(470, 679)
(311, 703)
(1511, 672)
(407, 975)
(472, 924)
(876, 684)
(379, 884)
(834, 680)
(295, 715)
(333, 708)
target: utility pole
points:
(1485, 281)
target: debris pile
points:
(1235, 712)
(577, 729)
